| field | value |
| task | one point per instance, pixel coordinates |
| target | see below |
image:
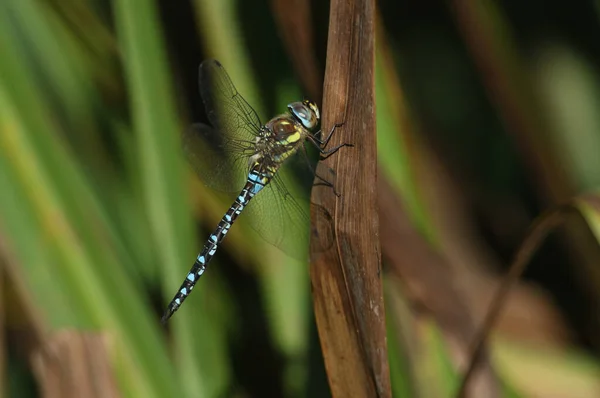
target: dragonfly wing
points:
(280, 219)
(218, 161)
(227, 110)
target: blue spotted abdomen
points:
(256, 181)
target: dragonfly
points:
(239, 153)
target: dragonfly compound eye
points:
(305, 115)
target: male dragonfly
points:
(240, 153)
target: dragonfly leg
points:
(320, 144)
(324, 142)
(331, 151)
(324, 181)
(326, 153)
(327, 184)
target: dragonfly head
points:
(307, 113)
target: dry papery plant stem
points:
(346, 278)
(538, 232)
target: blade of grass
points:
(588, 206)
(401, 338)
(347, 286)
(222, 37)
(157, 130)
(66, 221)
(296, 30)
(415, 256)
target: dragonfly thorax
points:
(284, 136)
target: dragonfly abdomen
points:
(256, 181)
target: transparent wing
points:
(219, 154)
(282, 217)
(227, 110)
(220, 163)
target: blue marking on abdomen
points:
(256, 188)
(256, 185)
